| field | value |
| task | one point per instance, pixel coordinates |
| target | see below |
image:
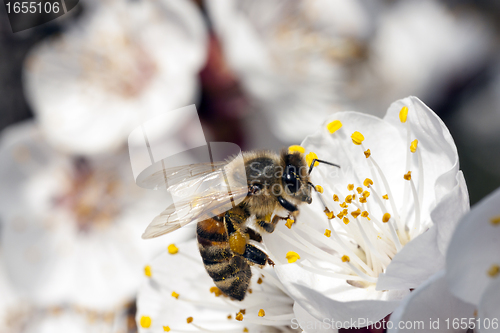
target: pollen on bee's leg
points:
(172, 249)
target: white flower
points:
(122, 63)
(71, 227)
(473, 260)
(432, 308)
(291, 55)
(392, 207)
(179, 296)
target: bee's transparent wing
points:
(189, 210)
(168, 177)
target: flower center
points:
(365, 228)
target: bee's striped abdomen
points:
(231, 274)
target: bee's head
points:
(295, 177)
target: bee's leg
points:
(237, 239)
(253, 235)
(268, 225)
(256, 256)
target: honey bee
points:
(267, 188)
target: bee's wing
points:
(168, 177)
(190, 210)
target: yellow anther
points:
(310, 157)
(343, 205)
(250, 290)
(319, 188)
(345, 211)
(147, 271)
(328, 232)
(386, 217)
(359, 190)
(239, 316)
(354, 196)
(216, 291)
(245, 330)
(289, 223)
(413, 146)
(403, 114)
(340, 215)
(261, 313)
(243, 311)
(364, 214)
(495, 220)
(292, 256)
(357, 138)
(172, 249)
(329, 214)
(367, 153)
(294, 148)
(145, 322)
(334, 126)
(362, 199)
(356, 213)
(494, 270)
(407, 176)
(350, 187)
(348, 199)
(367, 182)
(229, 317)
(366, 194)
(386, 197)
(166, 329)
(345, 220)
(335, 197)
(259, 281)
(189, 320)
(345, 258)
(175, 295)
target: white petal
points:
(424, 256)
(489, 308)
(428, 307)
(310, 324)
(473, 250)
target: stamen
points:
(329, 214)
(407, 176)
(413, 146)
(367, 153)
(189, 320)
(416, 204)
(359, 190)
(261, 313)
(366, 194)
(495, 220)
(346, 258)
(334, 126)
(239, 316)
(166, 328)
(296, 148)
(356, 213)
(357, 138)
(172, 249)
(348, 199)
(386, 197)
(292, 256)
(386, 217)
(319, 188)
(289, 223)
(367, 182)
(494, 271)
(145, 321)
(147, 271)
(345, 220)
(335, 197)
(403, 114)
(350, 187)
(175, 295)
(310, 157)
(328, 233)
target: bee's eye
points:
(291, 179)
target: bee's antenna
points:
(320, 197)
(321, 161)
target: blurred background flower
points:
(263, 74)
